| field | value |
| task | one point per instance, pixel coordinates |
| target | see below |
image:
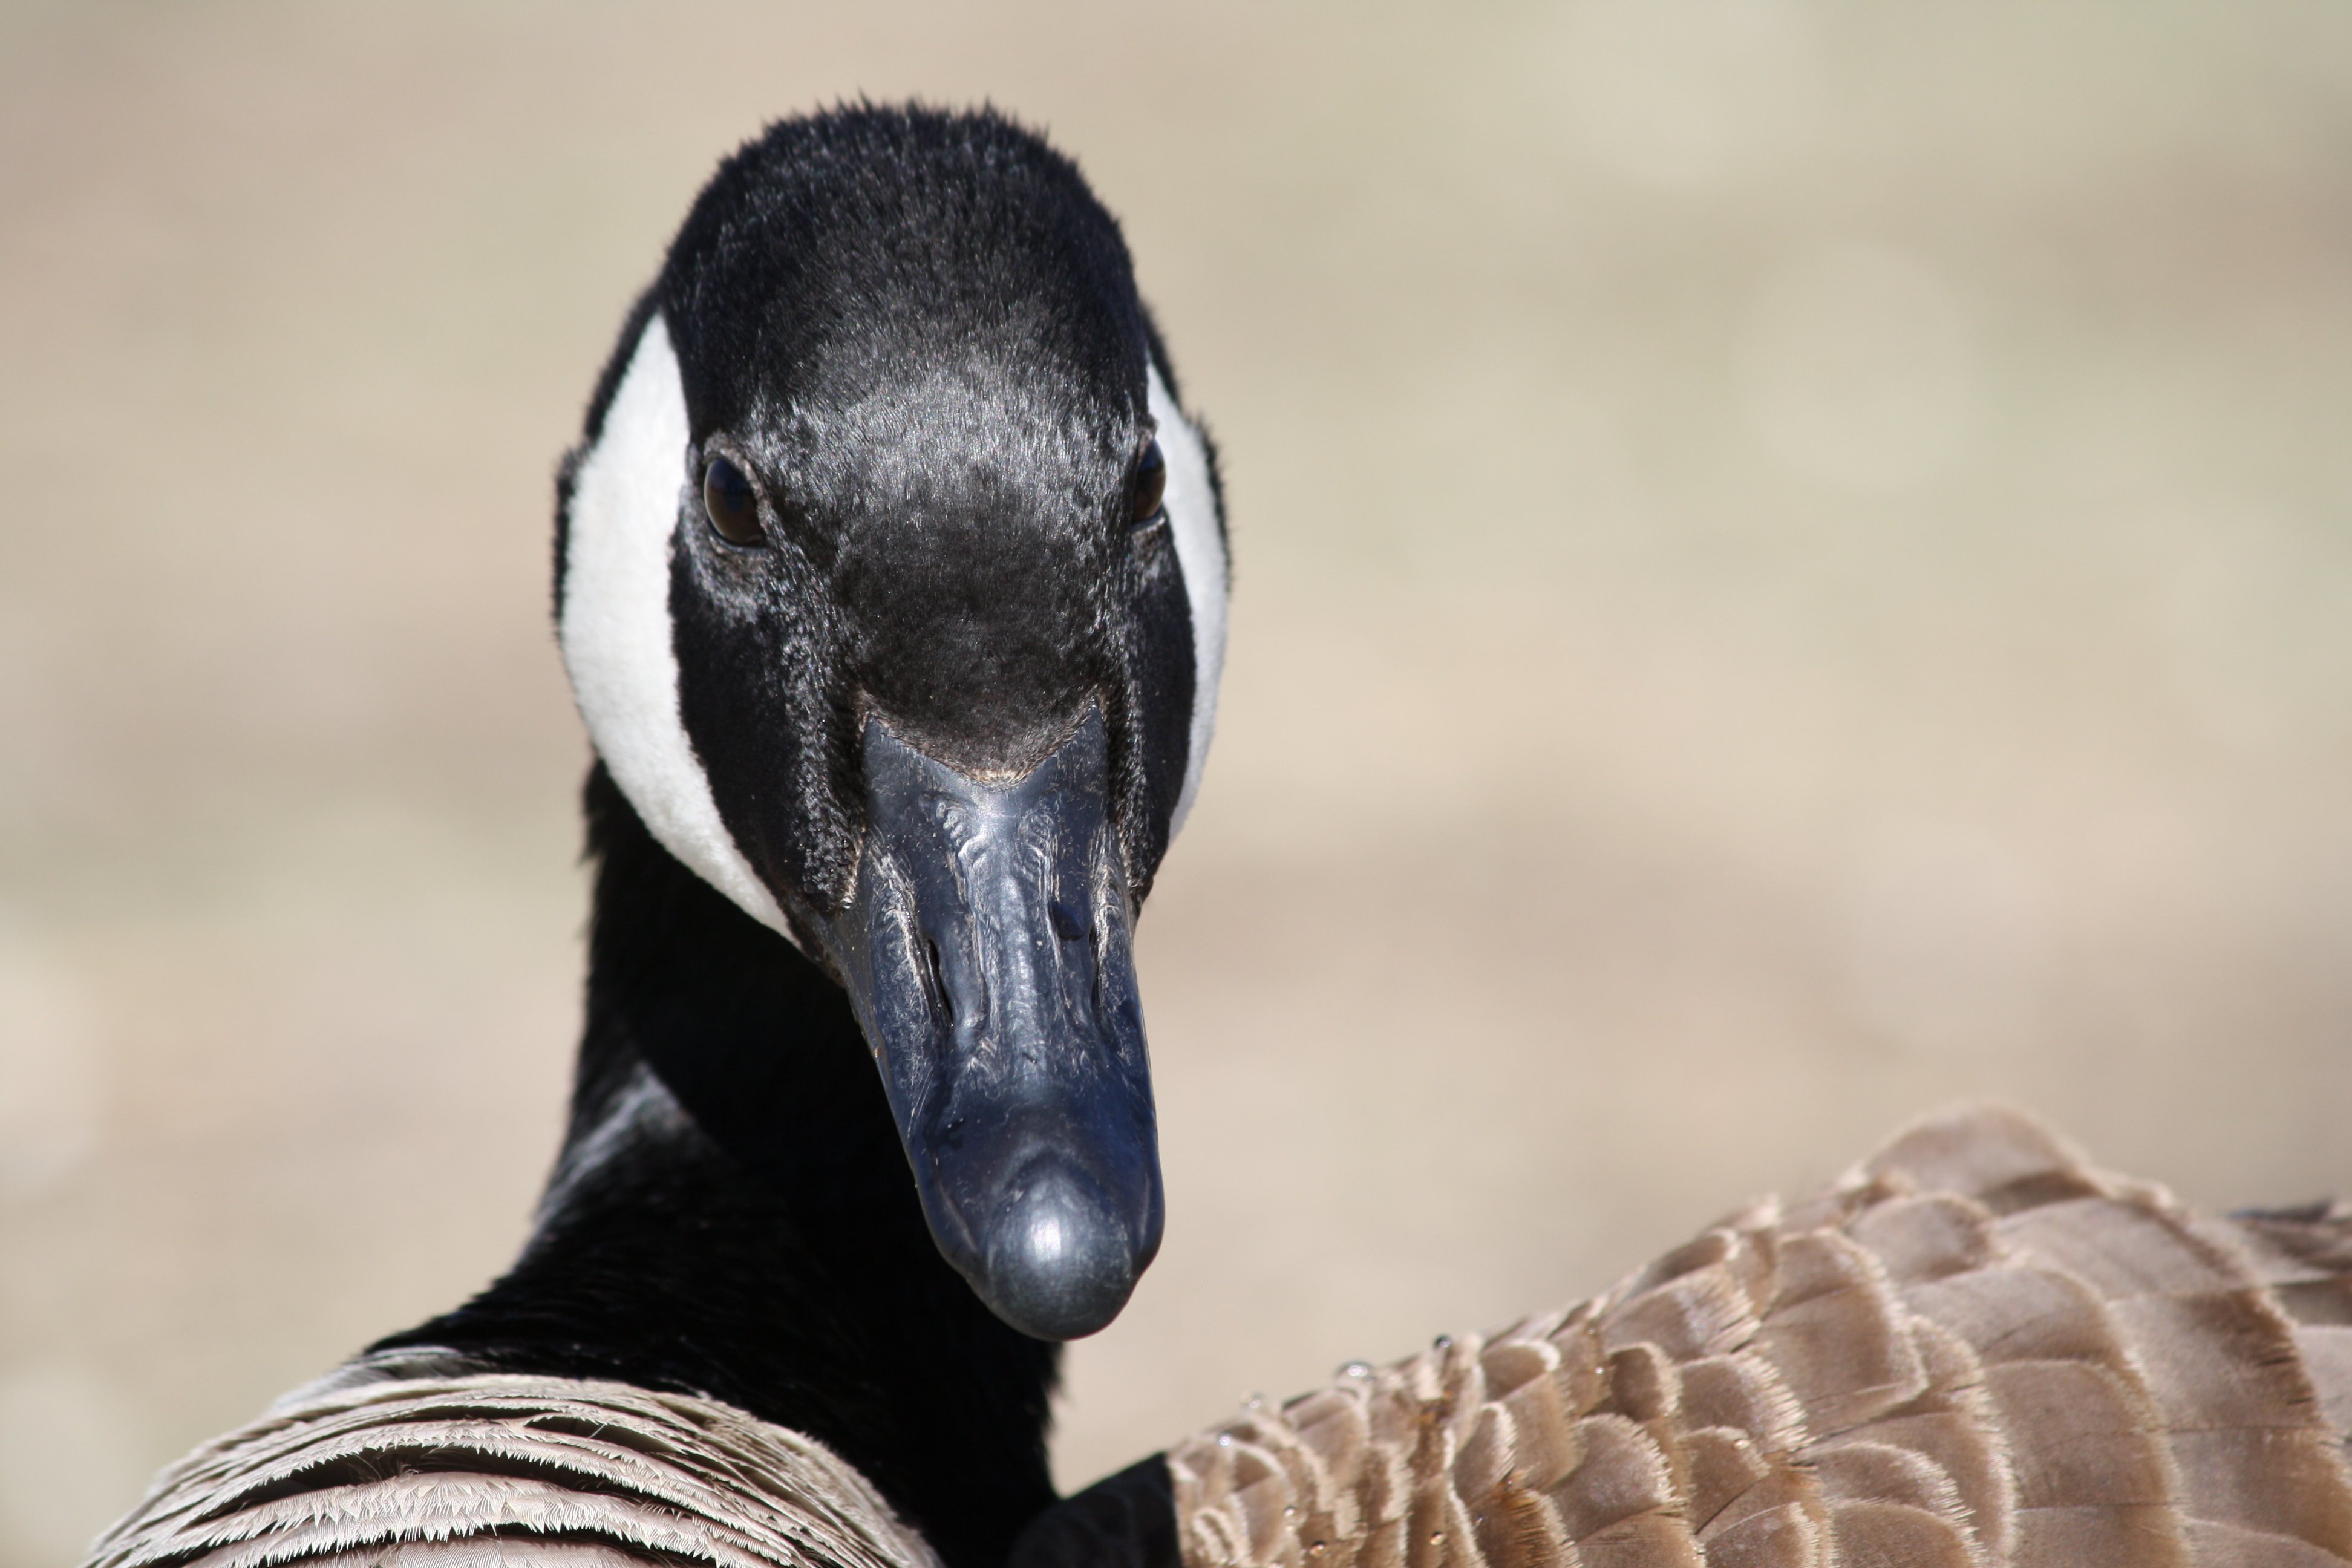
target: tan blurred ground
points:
(1794, 563)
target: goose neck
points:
(731, 1215)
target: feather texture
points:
(1974, 1350)
(371, 1466)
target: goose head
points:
(891, 587)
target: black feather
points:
(770, 1252)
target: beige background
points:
(1795, 563)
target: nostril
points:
(1069, 924)
(940, 997)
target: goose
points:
(891, 577)
(890, 581)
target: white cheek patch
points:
(614, 624)
(1200, 555)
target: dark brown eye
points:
(732, 506)
(1150, 484)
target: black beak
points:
(989, 955)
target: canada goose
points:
(890, 578)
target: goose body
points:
(1973, 1350)
(890, 578)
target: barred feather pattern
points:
(1974, 1350)
(371, 1467)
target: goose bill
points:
(989, 953)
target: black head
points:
(891, 583)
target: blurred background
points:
(1794, 564)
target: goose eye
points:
(732, 506)
(1150, 484)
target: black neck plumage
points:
(732, 1215)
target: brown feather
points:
(451, 1472)
(1974, 1350)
